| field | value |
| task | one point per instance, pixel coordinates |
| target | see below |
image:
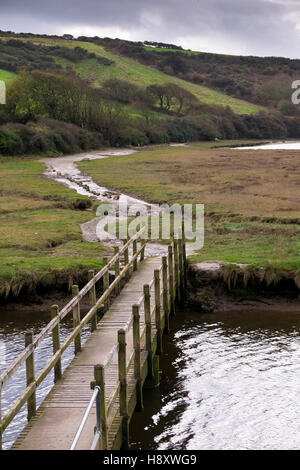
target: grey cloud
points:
(258, 27)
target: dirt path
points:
(65, 171)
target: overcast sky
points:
(256, 27)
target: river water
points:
(229, 381)
(273, 146)
(13, 325)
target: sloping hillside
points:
(135, 72)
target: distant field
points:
(6, 76)
(249, 196)
(134, 72)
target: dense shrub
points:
(46, 135)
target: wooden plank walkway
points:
(56, 421)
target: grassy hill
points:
(134, 72)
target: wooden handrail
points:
(164, 288)
(53, 325)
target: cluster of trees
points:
(17, 55)
(46, 135)
(162, 45)
(167, 97)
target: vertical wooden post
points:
(171, 281)
(30, 376)
(99, 380)
(158, 311)
(117, 270)
(126, 262)
(147, 310)
(176, 271)
(184, 255)
(165, 294)
(123, 388)
(143, 251)
(106, 284)
(56, 344)
(137, 357)
(93, 299)
(156, 371)
(76, 320)
(181, 270)
(1, 417)
(134, 248)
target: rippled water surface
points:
(12, 340)
(229, 381)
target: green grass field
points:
(134, 72)
(6, 76)
(251, 197)
(40, 235)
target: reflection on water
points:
(275, 146)
(229, 381)
(12, 340)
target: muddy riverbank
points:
(217, 287)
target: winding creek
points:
(229, 380)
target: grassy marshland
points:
(251, 197)
(40, 237)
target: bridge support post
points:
(117, 269)
(123, 389)
(137, 357)
(171, 281)
(56, 344)
(126, 261)
(0, 417)
(106, 284)
(181, 271)
(134, 248)
(165, 294)
(99, 380)
(93, 299)
(158, 311)
(143, 252)
(76, 320)
(30, 376)
(176, 271)
(147, 310)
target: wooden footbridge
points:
(92, 402)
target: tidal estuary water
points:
(229, 381)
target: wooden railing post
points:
(56, 343)
(176, 271)
(76, 320)
(147, 310)
(181, 271)
(126, 262)
(134, 248)
(106, 284)
(143, 251)
(123, 388)
(171, 281)
(93, 299)
(184, 256)
(0, 417)
(30, 376)
(99, 380)
(117, 269)
(158, 311)
(137, 357)
(165, 293)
